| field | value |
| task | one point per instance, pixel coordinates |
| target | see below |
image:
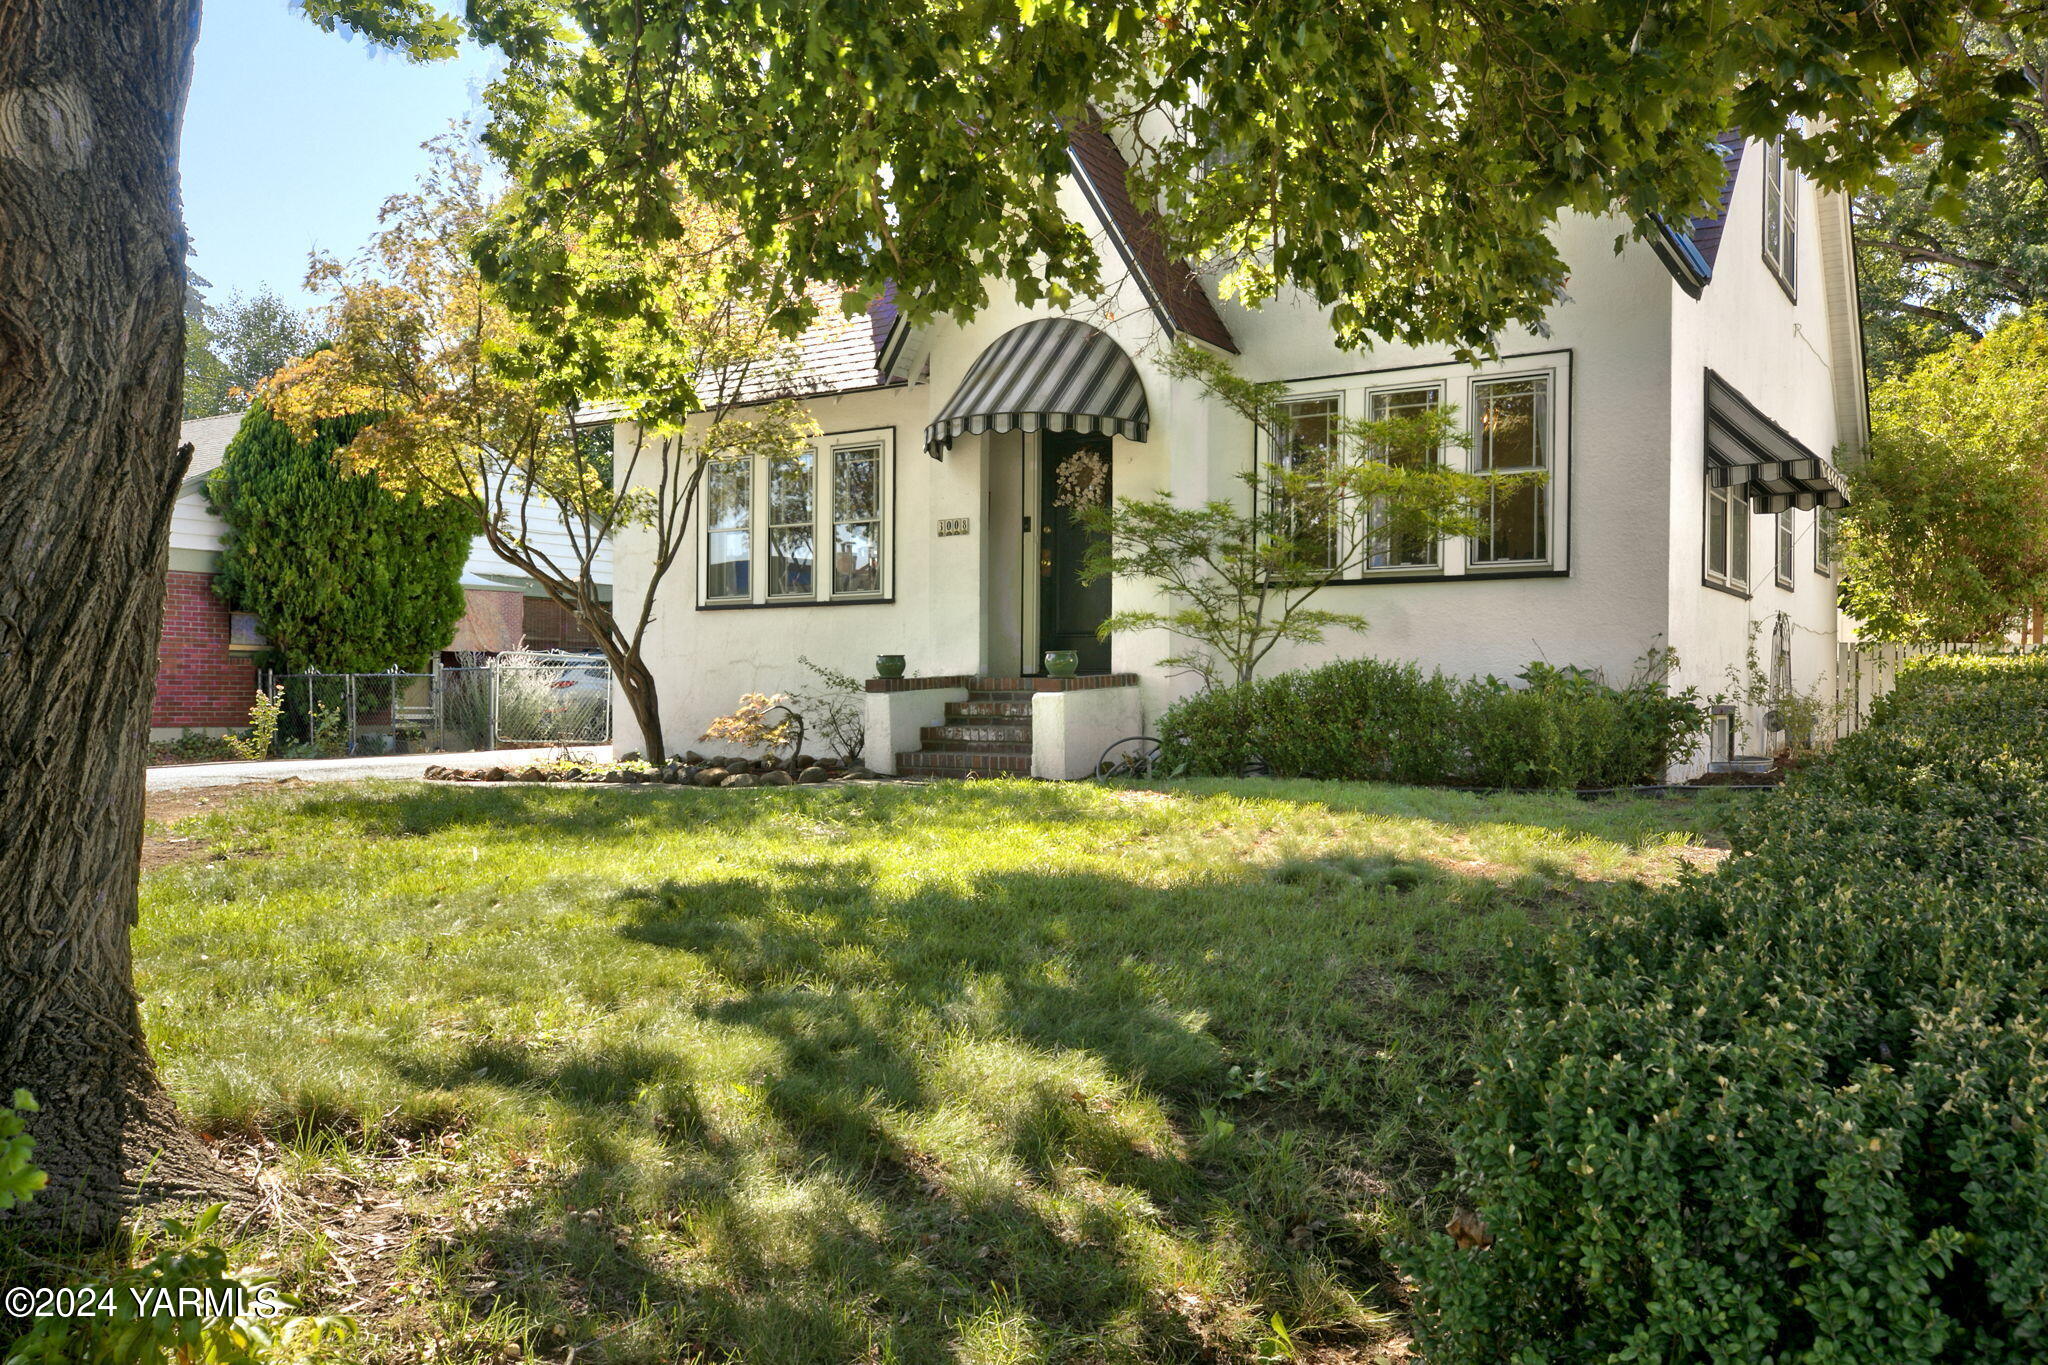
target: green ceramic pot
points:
(1061, 663)
(888, 665)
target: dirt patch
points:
(163, 845)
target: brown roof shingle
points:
(1167, 281)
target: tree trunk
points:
(638, 684)
(92, 267)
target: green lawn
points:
(979, 1072)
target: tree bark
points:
(92, 278)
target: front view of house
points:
(1685, 407)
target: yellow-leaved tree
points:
(511, 414)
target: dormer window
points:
(1781, 216)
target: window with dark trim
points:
(1781, 216)
(806, 527)
(1727, 537)
(1511, 435)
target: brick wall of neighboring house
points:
(550, 625)
(198, 683)
(491, 620)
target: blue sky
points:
(294, 137)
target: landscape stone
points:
(741, 780)
(777, 779)
(814, 773)
(711, 777)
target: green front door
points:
(1068, 610)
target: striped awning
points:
(1747, 450)
(1054, 374)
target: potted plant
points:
(888, 665)
(406, 739)
(1061, 663)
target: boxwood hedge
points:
(1375, 720)
(1796, 1110)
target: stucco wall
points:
(1630, 553)
(1778, 353)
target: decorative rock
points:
(632, 756)
(741, 780)
(494, 774)
(814, 773)
(777, 779)
(711, 777)
(693, 759)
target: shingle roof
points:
(1706, 232)
(1690, 254)
(1171, 287)
(209, 437)
(835, 354)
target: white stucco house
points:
(1686, 404)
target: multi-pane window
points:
(1511, 436)
(1781, 220)
(1823, 540)
(769, 521)
(728, 530)
(1305, 447)
(1785, 542)
(1515, 425)
(1727, 536)
(857, 520)
(792, 524)
(1395, 546)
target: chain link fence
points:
(525, 698)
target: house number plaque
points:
(952, 526)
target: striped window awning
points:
(1748, 451)
(1054, 374)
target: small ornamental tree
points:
(482, 412)
(342, 574)
(1946, 536)
(1239, 577)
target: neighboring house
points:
(206, 655)
(1685, 404)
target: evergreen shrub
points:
(1375, 720)
(1796, 1110)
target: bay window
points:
(768, 520)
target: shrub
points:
(1374, 720)
(264, 715)
(343, 575)
(1796, 1110)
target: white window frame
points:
(1341, 550)
(1788, 539)
(825, 453)
(1781, 210)
(1435, 563)
(1736, 577)
(1824, 541)
(1455, 386)
(1547, 491)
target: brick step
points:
(977, 746)
(988, 710)
(926, 763)
(997, 730)
(999, 694)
